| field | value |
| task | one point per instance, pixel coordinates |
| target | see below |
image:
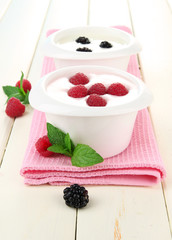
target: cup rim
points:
(53, 50)
(40, 100)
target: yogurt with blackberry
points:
(85, 44)
(91, 45)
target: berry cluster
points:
(105, 44)
(95, 92)
(85, 40)
(84, 49)
(76, 196)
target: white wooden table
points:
(114, 212)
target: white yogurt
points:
(93, 45)
(58, 89)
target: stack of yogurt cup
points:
(101, 55)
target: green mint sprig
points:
(81, 155)
(17, 92)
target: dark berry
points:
(82, 40)
(78, 91)
(84, 49)
(95, 100)
(79, 78)
(97, 88)
(117, 89)
(105, 44)
(76, 196)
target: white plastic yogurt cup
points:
(107, 129)
(62, 46)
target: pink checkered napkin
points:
(140, 164)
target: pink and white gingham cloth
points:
(140, 164)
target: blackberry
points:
(82, 40)
(76, 196)
(105, 44)
(84, 49)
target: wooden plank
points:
(109, 13)
(155, 33)
(169, 2)
(41, 211)
(122, 212)
(116, 213)
(19, 31)
(4, 5)
(67, 13)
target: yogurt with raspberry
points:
(58, 89)
(107, 129)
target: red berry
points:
(79, 78)
(26, 85)
(78, 91)
(97, 88)
(14, 108)
(95, 100)
(41, 146)
(117, 89)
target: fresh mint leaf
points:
(68, 142)
(72, 146)
(81, 156)
(84, 156)
(18, 96)
(59, 149)
(55, 135)
(21, 84)
(10, 90)
(26, 98)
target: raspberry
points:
(26, 85)
(84, 49)
(117, 89)
(14, 108)
(95, 100)
(97, 88)
(79, 78)
(105, 44)
(76, 196)
(41, 146)
(78, 91)
(82, 40)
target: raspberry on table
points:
(117, 89)
(14, 108)
(41, 146)
(105, 44)
(82, 40)
(94, 100)
(79, 78)
(26, 85)
(78, 91)
(76, 196)
(97, 88)
(84, 49)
